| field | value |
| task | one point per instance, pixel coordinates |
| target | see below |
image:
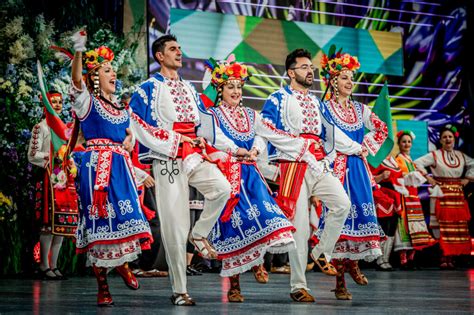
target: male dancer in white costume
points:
(172, 106)
(295, 110)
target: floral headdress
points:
(410, 133)
(453, 129)
(96, 57)
(334, 62)
(227, 70)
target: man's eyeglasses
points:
(305, 67)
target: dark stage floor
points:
(399, 292)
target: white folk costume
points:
(450, 213)
(57, 209)
(303, 116)
(175, 108)
(38, 154)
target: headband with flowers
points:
(334, 62)
(96, 57)
(55, 94)
(227, 70)
(406, 132)
(453, 129)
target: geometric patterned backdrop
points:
(269, 41)
(428, 88)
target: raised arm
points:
(80, 97)
(79, 39)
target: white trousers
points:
(331, 192)
(172, 197)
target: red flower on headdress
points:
(94, 58)
(223, 72)
(333, 63)
(105, 52)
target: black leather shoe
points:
(45, 275)
(58, 274)
(190, 271)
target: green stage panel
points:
(262, 41)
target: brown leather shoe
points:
(342, 294)
(182, 299)
(303, 296)
(356, 274)
(324, 265)
(235, 296)
(260, 274)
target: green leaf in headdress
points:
(332, 50)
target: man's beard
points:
(303, 81)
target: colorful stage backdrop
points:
(416, 46)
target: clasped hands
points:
(241, 154)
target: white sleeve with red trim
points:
(469, 167)
(378, 131)
(38, 150)
(269, 171)
(292, 146)
(141, 175)
(425, 161)
(80, 99)
(162, 141)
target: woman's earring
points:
(96, 84)
(219, 97)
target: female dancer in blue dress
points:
(252, 223)
(361, 235)
(112, 228)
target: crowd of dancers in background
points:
(314, 150)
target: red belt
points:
(187, 129)
(105, 148)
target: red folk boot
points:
(128, 277)
(103, 296)
(234, 295)
(341, 289)
(356, 274)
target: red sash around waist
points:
(292, 175)
(187, 129)
(106, 148)
(316, 149)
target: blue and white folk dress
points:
(256, 224)
(112, 228)
(361, 234)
